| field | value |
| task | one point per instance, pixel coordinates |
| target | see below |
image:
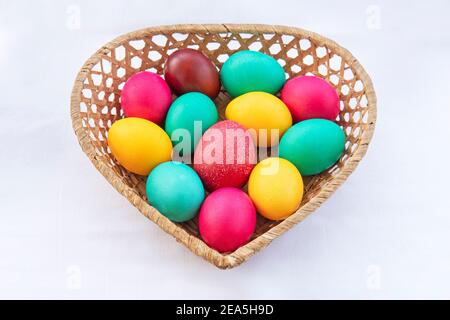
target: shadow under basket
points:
(95, 105)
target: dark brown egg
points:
(188, 70)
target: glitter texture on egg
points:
(225, 156)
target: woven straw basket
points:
(95, 105)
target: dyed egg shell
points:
(188, 70)
(225, 156)
(175, 190)
(247, 71)
(190, 110)
(310, 97)
(146, 95)
(139, 145)
(313, 145)
(262, 112)
(276, 188)
(227, 219)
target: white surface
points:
(65, 233)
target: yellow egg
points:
(276, 188)
(139, 145)
(262, 112)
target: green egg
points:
(189, 117)
(175, 190)
(313, 145)
(248, 71)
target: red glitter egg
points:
(225, 156)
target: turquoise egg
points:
(248, 71)
(190, 110)
(313, 145)
(175, 190)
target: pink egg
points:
(310, 97)
(227, 219)
(146, 95)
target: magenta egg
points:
(310, 97)
(227, 219)
(146, 95)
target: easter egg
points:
(146, 95)
(313, 145)
(188, 118)
(139, 145)
(188, 70)
(262, 112)
(309, 97)
(247, 71)
(276, 188)
(227, 219)
(175, 190)
(225, 156)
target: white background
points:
(66, 233)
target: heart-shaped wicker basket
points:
(95, 105)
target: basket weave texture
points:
(95, 105)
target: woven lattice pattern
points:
(96, 105)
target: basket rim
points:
(196, 245)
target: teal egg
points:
(175, 190)
(248, 71)
(188, 110)
(313, 145)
